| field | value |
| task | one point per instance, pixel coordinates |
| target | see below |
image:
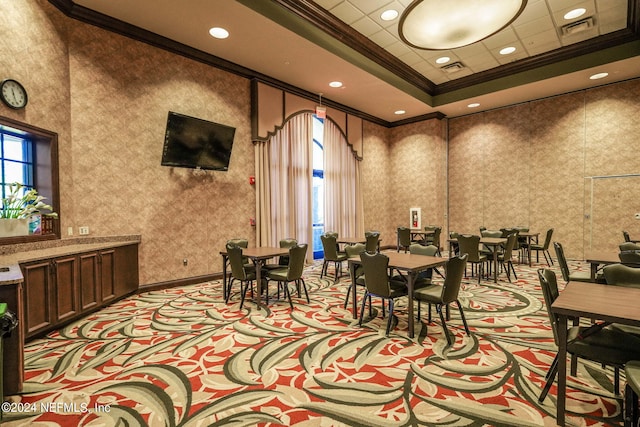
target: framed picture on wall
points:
(415, 219)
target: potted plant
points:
(19, 208)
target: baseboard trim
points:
(179, 282)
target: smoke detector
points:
(453, 67)
(578, 26)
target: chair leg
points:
(390, 316)
(364, 303)
(443, 323)
(346, 298)
(551, 377)
(304, 286)
(513, 269)
(616, 380)
(228, 293)
(285, 289)
(631, 412)
(323, 271)
(464, 319)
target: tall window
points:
(318, 186)
(16, 158)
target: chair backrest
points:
(369, 232)
(629, 246)
(330, 246)
(506, 231)
(491, 233)
(630, 258)
(468, 244)
(286, 243)
(372, 241)
(521, 228)
(243, 243)
(297, 255)
(453, 278)
(234, 253)
(547, 240)
(418, 249)
(437, 231)
(562, 261)
(404, 236)
(375, 267)
(353, 251)
(626, 236)
(511, 243)
(622, 275)
(549, 286)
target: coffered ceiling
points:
(303, 45)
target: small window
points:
(29, 155)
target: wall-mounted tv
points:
(190, 142)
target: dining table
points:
(493, 243)
(607, 303)
(258, 255)
(530, 237)
(407, 263)
(598, 258)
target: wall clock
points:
(13, 94)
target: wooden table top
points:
(410, 262)
(610, 303)
(353, 240)
(262, 252)
(602, 257)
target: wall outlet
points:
(185, 262)
(70, 231)
(83, 230)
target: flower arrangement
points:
(23, 204)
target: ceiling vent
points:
(578, 26)
(453, 67)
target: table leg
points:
(562, 369)
(412, 278)
(495, 264)
(258, 263)
(594, 270)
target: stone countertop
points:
(12, 255)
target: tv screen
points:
(195, 143)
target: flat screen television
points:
(190, 142)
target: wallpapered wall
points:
(534, 164)
(108, 97)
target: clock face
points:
(13, 94)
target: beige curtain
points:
(284, 184)
(343, 208)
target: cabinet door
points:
(89, 281)
(66, 288)
(38, 293)
(126, 280)
(108, 275)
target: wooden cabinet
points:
(61, 289)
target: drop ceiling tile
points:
(611, 20)
(368, 6)
(410, 58)
(346, 12)
(383, 38)
(533, 11)
(398, 48)
(328, 4)
(366, 26)
(503, 38)
(536, 26)
(546, 40)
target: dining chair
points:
(291, 273)
(631, 393)
(622, 275)
(379, 284)
(470, 245)
(598, 343)
(521, 246)
(630, 258)
(239, 272)
(544, 248)
(404, 238)
(505, 257)
(486, 250)
(372, 241)
(283, 260)
(578, 276)
(453, 243)
(331, 254)
(355, 251)
(445, 294)
(434, 239)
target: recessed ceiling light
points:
(572, 14)
(399, 112)
(443, 60)
(389, 15)
(599, 76)
(507, 50)
(219, 33)
(473, 105)
(335, 84)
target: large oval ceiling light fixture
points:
(439, 25)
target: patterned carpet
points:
(182, 357)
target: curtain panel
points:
(284, 184)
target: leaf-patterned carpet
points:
(182, 357)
